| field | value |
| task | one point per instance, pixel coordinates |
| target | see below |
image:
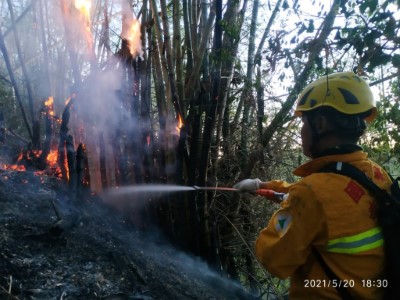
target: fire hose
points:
(269, 194)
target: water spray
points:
(165, 188)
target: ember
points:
(15, 167)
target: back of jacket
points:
(335, 215)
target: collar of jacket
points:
(340, 149)
(316, 164)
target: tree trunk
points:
(230, 45)
(14, 84)
(178, 56)
(25, 73)
(188, 41)
(209, 131)
(260, 103)
(247, 96)
(45, 50)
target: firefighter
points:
(326, 214)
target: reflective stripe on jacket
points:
(333, 214)
(367, 240)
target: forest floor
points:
(55, 247)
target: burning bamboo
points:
(63, 139)
(49, 112)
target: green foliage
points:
(231, 30)
(383, 139)
(310, 27)
(285, 5)
(371, 32)
(368, 5)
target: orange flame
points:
(133, 37)
(52, 162)
(52, 157)
(84, 6)
(67, 101)
(49, 103)
(180, 123)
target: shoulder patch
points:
(282, 222)
(378, 173)
(354, 191)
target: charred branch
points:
(71, 157)
(103, 169)
(82, 173)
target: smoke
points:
(101, 102)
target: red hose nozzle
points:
(270, 195)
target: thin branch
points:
(394, 75)
(253, 255)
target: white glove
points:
(248, 185)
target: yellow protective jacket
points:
(335, 215)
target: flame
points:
(84, 7)
(49, 103)
(53, 168)
(52, 157)
(67, 101)
(180, 123)
(133, 37)
(52, 161)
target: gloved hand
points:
(248, 185)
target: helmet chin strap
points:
(316, 138)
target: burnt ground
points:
(56, 247)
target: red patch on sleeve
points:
(378, 173)
(354, 191)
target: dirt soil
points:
(56, 247)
